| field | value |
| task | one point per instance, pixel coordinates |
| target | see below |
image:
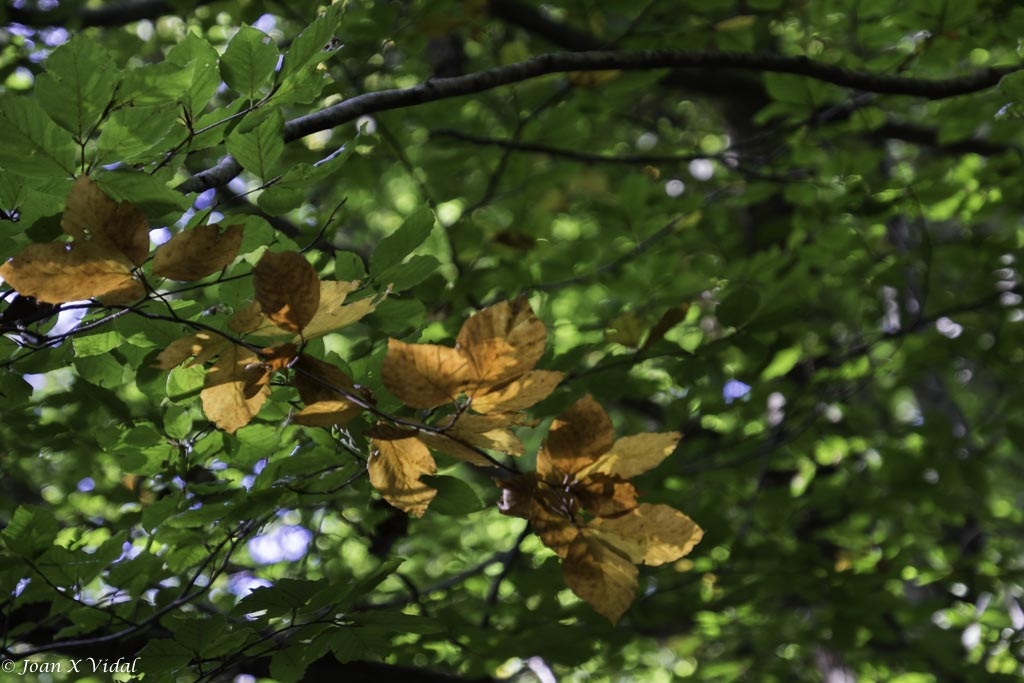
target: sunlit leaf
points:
(395, 467)
(196, 253)
(55, 273)
(223, 394)
(601, 576)
(91, 215)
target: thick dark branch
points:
(445, 88)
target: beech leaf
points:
(287, 289)
(600, 576)
(633, 455)
(424, 375)
(327, 414)
(92, 215)
(503, 341)
(56, 272)
(333, 314)
(223, 394)
(577, 437)
(518, 394)
(663, 533)
(395, 467)
(196, 253)
(200, 347)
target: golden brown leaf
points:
(196, 253)
(577, 437)
(91, 215)
(327, 414)
(223, 394)
(600, 576)
(663, 533)
(395, 467)
(633, 455)
(472, 432)
(56, 273)
(424, 375)
(200, 347)
(333, 314)
(502, 341)
(287, 289)
(518, 394)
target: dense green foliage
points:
(797, 244)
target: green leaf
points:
(308, 47)
(283, 597)
(164, 656)
(249, 61)
(399, 244)
(288, 665)
(292, 188)
(409, 274)
(258, 148)
(95, 344)
(30, 531)
(349, 265)
(105, 370)
(454, 496)
(184, 383)
(196, 57)
(139, 133)
(782, 363)
(78, 85)
(739, 306)
(30, 143)
(359, 642)
(177, 422)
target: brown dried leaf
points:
(502, 341)
(318, 381)
(633, 455)
(91, 215)
(424, 375)
(56, 273)
(327, 414)
(577, 437)
(223, 394)
(549, 512)
(395, 467)
(200, 347)
(519, 394)
(196, 253)
(287, 289)
(599, 575)
(663, 533)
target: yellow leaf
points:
(251, 320)
(652, 534)
(287, 289)
(395, 467)
(196, 253)
(332, 315)
(91, 215)
(327, 414)
(633, 455)
(471, 432)
(223, 394)
(55, 273)
(600, 576)
(200, 347)
(577, 437)
(424, 375)
(519, 394)
(502, 341)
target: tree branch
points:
(562, 62)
